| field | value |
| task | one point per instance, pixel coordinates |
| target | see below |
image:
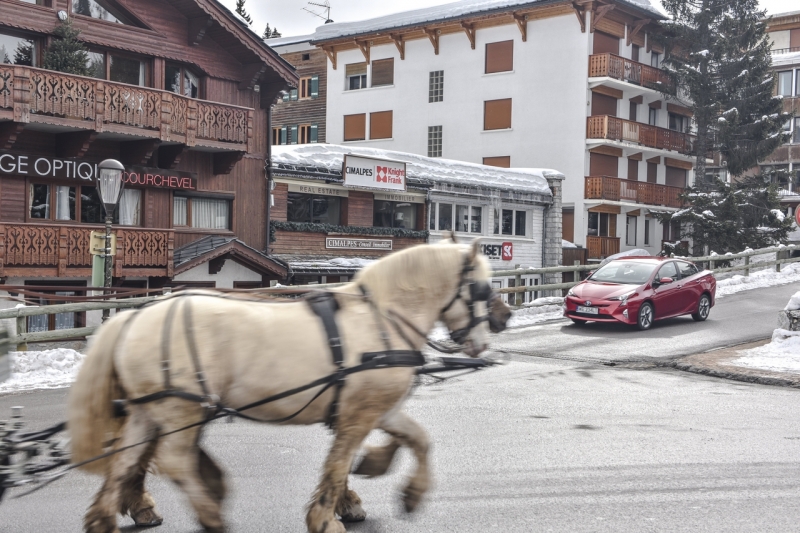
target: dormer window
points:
(100, 9)
(181, 80)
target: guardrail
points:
(23, 337)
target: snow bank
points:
(780, 355)
(567, 244)
(48, 369)
(765, 278)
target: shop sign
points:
(504, 252)
(55, 168)
(317, 189)
(374, 173)
(339, 243)
(400, 197)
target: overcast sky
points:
(290, 19)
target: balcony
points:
(640, 192)
(617, 129)
(61, 102)
(39, 250)
(619, 68)
(601, 247)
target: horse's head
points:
(474, 305)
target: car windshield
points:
(627, 272)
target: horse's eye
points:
(481, 291)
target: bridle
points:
(479, 291)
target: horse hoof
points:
(147, 518)
(355, 513)
(411, 499)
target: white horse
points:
(232, 352)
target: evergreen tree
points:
(718, 55)
(67, 53)
(275, 33)
(267, 32)
(23, 55)
(241, 12)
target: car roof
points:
(647, 258)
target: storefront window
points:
(510, 222)
(17, 50)
(313, 208)
(394, 215)
(445, 217)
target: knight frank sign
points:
(373, 173)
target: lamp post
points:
(109, 186)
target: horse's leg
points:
(135, 500)
(409, 433)
(198, 477)
(377, 459)
(349, 506)
(123, 470)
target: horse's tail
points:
(91, 420)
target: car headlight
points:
(571, 292)
(623, 297)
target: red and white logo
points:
(507, 252)
(383, 175)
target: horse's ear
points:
(474, 250)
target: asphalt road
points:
(539, 444)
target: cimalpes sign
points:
(343, 243)
(54, 168)
(371, 173)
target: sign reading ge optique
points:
(49, 167)
(373, 173)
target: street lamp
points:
(109, 186)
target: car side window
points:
(687, 269)
(667, 271)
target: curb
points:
(717, 363)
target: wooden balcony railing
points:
(640, 192)
(623, 69)
(608, 127)
(64, 250)
(37, 95)
(601, 247)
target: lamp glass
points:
(109, 182)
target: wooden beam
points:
(364, 47)
(74, 144)
(599, 14)
(138, 152)
(656, 160)
(170, 155)
(469, 29)
(9, 131)
(331, 53)
(607, 150)
(522, 24)
(636, 156)
(581, 14)
(655, 105)
(638, 99)
(608, 91)
(198, 27)
(433, 35)
(637, 25)
(250, 75)
(225, 161)
(400, 44)
(677, 163)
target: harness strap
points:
(165, 345)
(201, 377)
(324, 305)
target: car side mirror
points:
(665, 281)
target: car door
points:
(690, 287)
(667, 297)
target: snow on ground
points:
(49, 369)
(764, 278)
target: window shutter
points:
(355, 69)
(314, 86)
(499, 57)
(503, 161)
(283, 135)
(293, 94)
(380, 125)
(293, 139)
(355, 127)
(286, 97)
(383, 72)
(497, 114)
(314, 133)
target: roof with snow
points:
(785, 59)
(282, 41)
(433, 170)
(321, 265)
(221, 248)
(443, 13)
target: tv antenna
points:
(326, 8)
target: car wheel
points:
(578, 322)
(644, 319)
(703, 308)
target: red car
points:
(641, 290)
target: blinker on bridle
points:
(479, 291)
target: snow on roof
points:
(295, 39)
(439, 13)
(786, 59)
(434, 169)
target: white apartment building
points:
(572, 86)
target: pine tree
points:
(67, 53)
(241, 12)
(275, 33)
(267, 32)
(718, 55)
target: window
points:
(785, 83)
(434, 141)
(497, 114)
(52, 202)
(630, 231)
(686, 269)
(355, 127)
(96, 63)
(668, 271)
(675, 177)
(305, 88)
(796, 137)
(383, 72)
(314, 208)
(509, 222)
(126, 70)
(468, 219)
(394, 215)
(355, 75)
(632, 111)
(655, 59)
(652, 119)
(181, 80)
(197, 212)
(309, 88)
(601, 224)
(62, 202)
(129, 208)
(652, 172)
(499, 57)
(436, 86)
(380, 125)
(59, 320)
(304, 134)
(17, 50)
(635, 52)
(678, 123)
(99, 9)
(502, 161)
(276, 136)
(648, 230)
(670, 232)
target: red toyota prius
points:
(641, 290)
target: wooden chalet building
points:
(179, 92)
